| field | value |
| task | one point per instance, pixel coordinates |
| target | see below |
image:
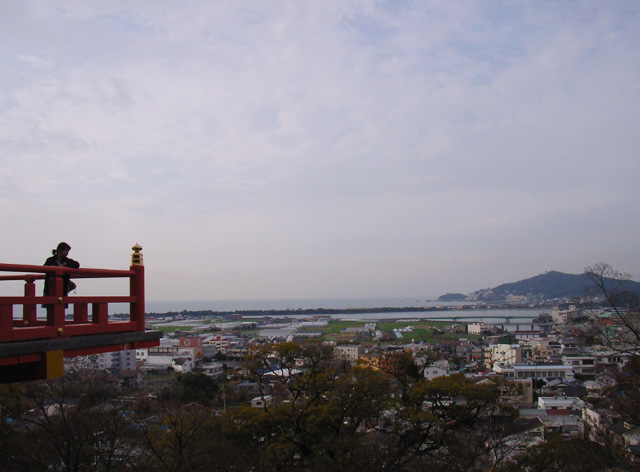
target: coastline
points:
(329, 306)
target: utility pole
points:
(224, 400)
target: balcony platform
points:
(34, 348)
(43, 358)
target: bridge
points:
(508, 318)
(33, 347)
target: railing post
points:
(55, 311)
(136, 288)
(80, 313)
(29, 309)
(6, 318)
(100, 313)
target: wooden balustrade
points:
(56, 324)
(33, 347)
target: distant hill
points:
(452, 297)
(547, 286)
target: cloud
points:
(35, 62)
(353, 148)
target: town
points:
(554, 371)
(502, 387)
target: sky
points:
(321, 149)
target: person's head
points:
(62, 250)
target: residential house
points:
(182, 364)
(262, 402)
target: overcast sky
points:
(322, 149)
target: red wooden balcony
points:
(32, 347)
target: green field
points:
(423, 330)
(388, 326)
(165, 329)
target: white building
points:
(566, 425)
(564, 316)
(349, 352)
(598, 421)
(262, 402)
(163, 356)
(525, 371)
(478, 328)
(581, 364)
(214, 369)
(560, 403)
(182, 364)
(118, 360)
(609, 357)
(218, 342)
(505, 354)
(437, 369)
(519, 327)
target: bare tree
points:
(621, 329)
(191, 438)
(73, 427)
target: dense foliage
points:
(321, 414)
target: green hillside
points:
(548, 286)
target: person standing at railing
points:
(61, 258)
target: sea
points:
(453, 310)
(285, 304)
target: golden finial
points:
(136, 257)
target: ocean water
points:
(285, 304)
(497, 315)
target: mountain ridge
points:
(549, 285)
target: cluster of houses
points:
(561, 380)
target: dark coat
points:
(67, 284)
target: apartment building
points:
(119, 360)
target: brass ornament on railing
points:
(136, 257)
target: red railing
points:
(30, 327)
